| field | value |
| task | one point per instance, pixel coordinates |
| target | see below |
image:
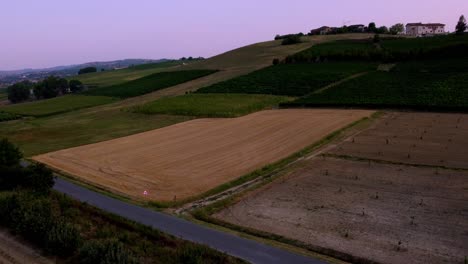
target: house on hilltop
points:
(420, 29)
(321, 31)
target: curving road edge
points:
(246, 249)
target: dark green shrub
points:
(10, 155)
(291, 39)
(63, 239)
(276, 61)
(105, 252)
(38, 178)
(19, 92)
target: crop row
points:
(422, 85)
(149, 83)
(289, 79)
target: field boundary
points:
(381, 161)
(354, 76)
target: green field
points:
(388, 49)
(57, 105)
(4, 116)
(430, 84)
(108, 78)
(149, 83)
(290, 79)
(211, 105)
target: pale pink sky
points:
(43, 33)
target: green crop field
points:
(108, 78)
(290, 79)
(388, 49)
(4, 116)
(211, 105)
(430, 84)
(57, 105)
(149, 83)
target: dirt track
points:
(13, 251)
(365, 210)
(190, 158)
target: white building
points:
(420, 29)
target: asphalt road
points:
(248, 250)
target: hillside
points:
(96, 124)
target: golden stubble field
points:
(190, 158)
(396, 192)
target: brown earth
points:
(438, 139)
(190, 158)
(385, 213)
(13, 251)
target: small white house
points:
(420, 29)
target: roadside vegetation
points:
(149, 83)
(290, 79)
(78, 233)
(211, 105)
(57, 105)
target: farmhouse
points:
(420, 29)
(321, 31)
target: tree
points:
(376, 38)
(291, 39)
(75, 86)
(372, 27)
(397, 28)
(50, 87)
(461, 25)
(276, 61)
(10, 155)
(87, 70)
(19, 92)
(38, 178)
(382, 30)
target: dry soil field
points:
(414, 138)
(365, 210)
(13, 251)
(190, 158)
(387, 213)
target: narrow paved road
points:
(249, 250)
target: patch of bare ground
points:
(190, 158)
(435, 139)
(380, 212)
(14, 251)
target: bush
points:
(76, 86)
(10, 155)
(276, 61)
(87, 70)
(50, 87)
(291, 39)
(19, 92)
(63, 239)
(38, 178)
(105, 252)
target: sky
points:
(46, 33)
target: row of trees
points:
(48, 88)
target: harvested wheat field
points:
(190, 158)
(378, 212)
(437, 139)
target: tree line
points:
(50, 87)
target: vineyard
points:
(211, 105)
(149, 83)
(432, 84)
(290, 79)
(387, 49)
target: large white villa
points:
(420, 29)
